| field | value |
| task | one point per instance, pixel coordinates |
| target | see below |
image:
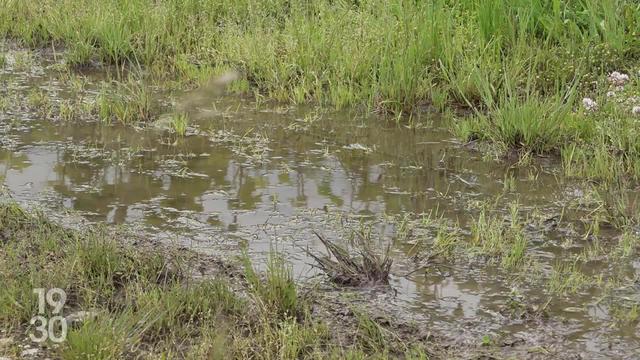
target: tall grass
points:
(532, 124)
(386, 54)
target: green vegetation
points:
(23, 61)
(179, 123)
(38, 98)
(304, 51)
(68, 110)
(144, 304)
(522, 67)
(594, 262)
(497, 238)
(532, 124)
(567, 278)
(126, 102)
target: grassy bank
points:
(394, 54)
(143, 302)
(523, 67)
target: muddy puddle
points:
(266, 176)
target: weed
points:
(79, 53)
(404, 227)
(533, 125)
(68, 110)
(516, 252)
(179, 123)
(402, 60)
(251, 145)
(486, 340)
(102, 338)
(128, 102)
(23, 61)
(371, 335)
(625, 313)
(628, 244)
(518, 66)
(445, 242)
(509, 183)
(566, 278)
(38, 98)
(278, 293)
(495, 238)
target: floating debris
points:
(357, 146)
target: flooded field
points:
(510, 255)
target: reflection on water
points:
(100, 170)
(213, 192)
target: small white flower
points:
(611, 93)
(618, 79)
(635, 110)
(589, 104)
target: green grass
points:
(179, 123)
(498, 239)
(23, 61)
(278, 292)
(627, 244)
(531, 124)
(146, 305)
(628, 314)
(304, 51)
(127, 102)
(567, 278)
(38, 99)
(446, 242)
(522, 67)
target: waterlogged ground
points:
(266, 177)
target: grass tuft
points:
(278, 292)
(367, 267)
(125, 102)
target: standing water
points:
(266, 177)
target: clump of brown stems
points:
(355, 265)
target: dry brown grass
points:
(356, 265)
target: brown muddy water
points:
(267, 176)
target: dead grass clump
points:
(355, 265)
